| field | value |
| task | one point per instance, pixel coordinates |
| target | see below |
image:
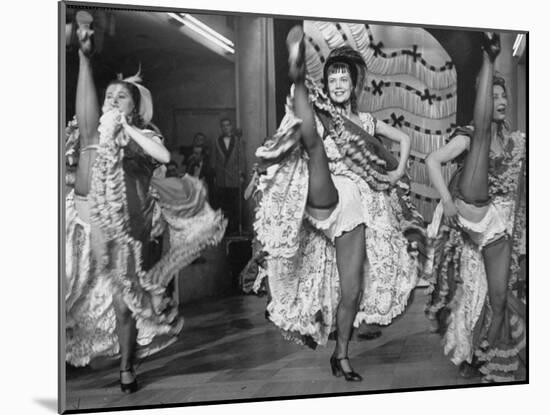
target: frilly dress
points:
(298, 252)
(108, 245)
(459, 300)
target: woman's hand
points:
(398, 136)
(122, 122)
(395, 175)
(109, 125)
(450, 213)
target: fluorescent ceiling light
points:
(205, 31)
(208, 29)
(517, 44)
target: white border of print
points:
(29, 205)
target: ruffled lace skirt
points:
(97, 271)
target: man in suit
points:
(229, 167)
(197, 162)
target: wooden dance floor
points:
(228, 350)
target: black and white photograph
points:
(259, 207)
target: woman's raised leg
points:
(474, 180)
(87, 105)
(322, 193)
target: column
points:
(255, 90)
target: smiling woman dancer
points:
(476, 230)
(335, 218)
(116, 299)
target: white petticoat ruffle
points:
(492, 226)
(347, 214)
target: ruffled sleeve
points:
(368, 121)
(467, 130)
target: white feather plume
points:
(135, 79)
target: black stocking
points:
(497, 267)
(474, 181)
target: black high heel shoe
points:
(128, 387)
(468, 370)
(296, 54)
(85, 33)
(337, 370)
(491, 44)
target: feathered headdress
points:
(146, 99)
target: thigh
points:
(321, 188)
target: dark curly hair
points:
(499, 80)
(345, 57)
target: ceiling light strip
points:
(208, 29)
(188, 23)
(517, 44)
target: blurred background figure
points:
(182, 169)
(197, 163)
(229, 167)
(172, 169)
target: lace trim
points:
(76, 272)
(346, 225)
(467, 305)
(448, 249)
(286, 137)
(187, 241)
(490, 229)
(367, 120)
(324, 224)
(382, 319)
(261, 276)
(498, 379)
(281, 209)
(494, 367)
(318, 331)
(502, 353)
